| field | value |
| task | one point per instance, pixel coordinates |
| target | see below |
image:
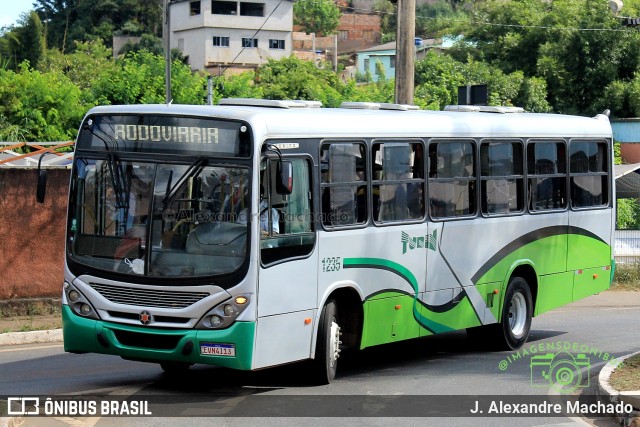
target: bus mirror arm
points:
(41, 189)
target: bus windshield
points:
(173, 220)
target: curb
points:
(31, 337)
(610, 395)
(11, 422)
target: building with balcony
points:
(231, 35)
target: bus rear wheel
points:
(517, 311)
(513, 329)
(328, 344)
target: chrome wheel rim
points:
(517, 314)
(334, 344)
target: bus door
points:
(288, 262)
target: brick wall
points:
(32, 234)
(356, 31)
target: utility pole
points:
(405, 51)
(167, 52)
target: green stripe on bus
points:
(408, 276)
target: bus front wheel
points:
(328, 344)
(517, 311)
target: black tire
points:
(517, 310)
(510, 333)
(328, 343)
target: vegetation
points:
(321, 17)
(626, 377)
(570, 56)
(627, 277)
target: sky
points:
(10, 10)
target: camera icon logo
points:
(566, 370)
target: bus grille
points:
(148, 297)
(153, 341)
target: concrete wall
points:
(32, 234)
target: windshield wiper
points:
(120, 181)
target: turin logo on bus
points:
(411, 243)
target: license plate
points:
(207, 349)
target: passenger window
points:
(452, 180)
(547, 172)
(501, 177)
(286, 227)
(343, 184)
(589, 167)
(398, 181)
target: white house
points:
(231, 34)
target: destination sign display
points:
(181, 134)
(165, 134)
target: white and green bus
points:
(257, 233)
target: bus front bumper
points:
(231, 347)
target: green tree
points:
(439, 75)
(89, 63)
(433, 19)
(68, 21)
(23, 42)
(293, 78)
(39, 106)
(577, 46)
(321, 17)
(388, 19)
(139, 78)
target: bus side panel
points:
(386, 266)
(286, 307)
(388, 318)
(288, 287)
(283, 338)
(591, 281)
(590, 251)
(554, 290)
(457, 313)
(482, 254)
(590, 244)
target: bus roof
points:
(357, 123)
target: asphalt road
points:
(377, 386)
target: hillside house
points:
(232, 35)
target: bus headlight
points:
(224, 314)
(79, 303)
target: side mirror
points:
(284, 177)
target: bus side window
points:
(343, 186)
(398, 181)
(502, 178)
(292, 226)
(452, 190)
(547, 175)
(589, 174)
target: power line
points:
(252, 37)
(478, 22)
